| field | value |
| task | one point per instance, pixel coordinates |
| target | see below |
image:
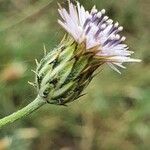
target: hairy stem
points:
(37, 103)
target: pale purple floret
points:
(96, 30)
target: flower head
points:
(97, 31)
(64, 73)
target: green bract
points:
(63, 73)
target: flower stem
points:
(37, 103)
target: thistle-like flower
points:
(63, 73)
(93, 40)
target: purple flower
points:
(98, 33)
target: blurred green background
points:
(115, 112)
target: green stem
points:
(37, 103)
